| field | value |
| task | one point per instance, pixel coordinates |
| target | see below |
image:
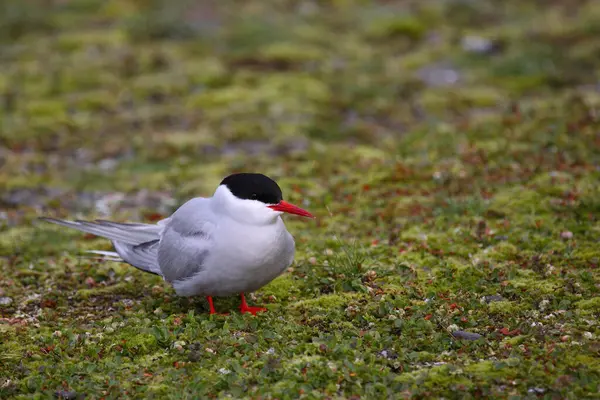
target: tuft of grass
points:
(347, 264)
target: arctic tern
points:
(234, 242)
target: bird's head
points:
(254, 199)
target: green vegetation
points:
(450, 149)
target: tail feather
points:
(104, 253)
(126, 233)
(135, 243)
(107, 255)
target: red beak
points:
(289, 208)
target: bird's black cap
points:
(249, 186)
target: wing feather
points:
(143, 256)
(175, 248)
(127, 233)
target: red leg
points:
(212, 307)
(244, 308)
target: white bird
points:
(232, 243)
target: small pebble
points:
(493, 298)
(566, 235)
(369, 276)
(477, 44)
(466, 335)
(127, 302)
(536, 390)
(179, 345)
(438, 75)
(388, 354)
(65, 394)
(108, 164)
(4, 301)
(157, 289)
(194, 356)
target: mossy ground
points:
(450, 149)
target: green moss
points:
(515, 341)
(282, 288)
(443, 375)
(324, 303)
(290, 52)
(519, 201)
(206, 71)
(503, 251)
(490, 369)
(70, 42)
(48, 109)
(529, 281)
(388, 26)
(592, 304)
(104, 291)
(505, 308)
(141, 344)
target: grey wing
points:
(143, 256)
(186, 241)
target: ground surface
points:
(451, 150)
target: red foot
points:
(245, 308)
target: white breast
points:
(243, 259)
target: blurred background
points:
(142, 103)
